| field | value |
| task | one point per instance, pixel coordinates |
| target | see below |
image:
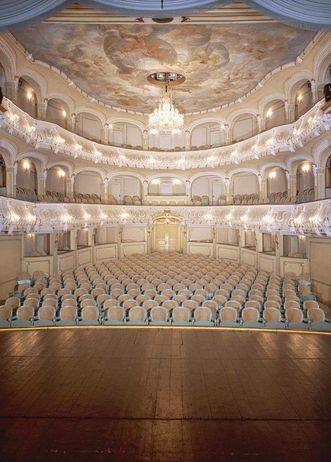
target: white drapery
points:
(313, 14)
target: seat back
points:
(25, 313)
(46, 313)
(115, 313)
(137, 313)
(316, 315)
(294, 315)
(181, 314)
(89, 313)
(272, 315)
(159, 313)
(68, 313)
(203, 314)
(5, 312)
(250, 314)
(228, 314)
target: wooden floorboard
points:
(164, 395)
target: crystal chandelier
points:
(166, 118)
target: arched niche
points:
(125, 134)
(26, 179)
(27, 96)
(2, 77)
(56, 180)
(276, 183)
(244, 182)
(328, 178)
(274, 114)
(207, 135)
(166, 186)
(89, 126)
(305, 181)
(57, 112)
(3, 175)
(303, 98)
(89, 184)
(210, 186)
(125, 189)
(244, 126)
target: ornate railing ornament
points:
(311, 218)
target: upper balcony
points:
(45, 135)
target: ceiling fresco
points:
(112, 62)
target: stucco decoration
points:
(312, 218)
(111, 62)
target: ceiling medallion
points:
(166, 118)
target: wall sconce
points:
(64, 113)
(26, 164)
(269, 113)
(29, 95)
(300, 98)
(176, 181)
(61, 173)
(306, 168)
(153, 131)
(272, 175)
(156, 181)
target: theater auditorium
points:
(165, 230)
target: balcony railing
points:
(311, 218)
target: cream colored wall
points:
(245, 183)
(10, 263)
(320, 267)
(88, 183)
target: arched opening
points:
(208, 190)
(88, 187)
(305, 182)
(303, 99)
(26, 180)
(27, 97)
(245, 188)
(207, 135)
(89, 126)
(57, 112)
(167, 234)
(328, 178)
(3, 177)
(274, 114)
(276, 184)
(2, 78)
(125, 189)
(125, 134)
(56, 184)
(244, 126)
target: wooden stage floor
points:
(164, 395)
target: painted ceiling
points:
(112, 62)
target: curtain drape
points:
(312, 14)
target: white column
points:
(292, 187)
(144, 192)
(260, 123)
(320, 183)
(314, 90)
(187, 140)
(262, 189)
(145, 139)
(188, 186)
(11, 90)
(227, 137)
(104, 195)
(229, 198)
(72, 122)
(41, 183)
(42, 110)
(70, 187)
(11, 181)
(105, 134)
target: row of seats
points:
(246, 199)
(194, 290)
(307, 195)
(28, 195)
(279, 198)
